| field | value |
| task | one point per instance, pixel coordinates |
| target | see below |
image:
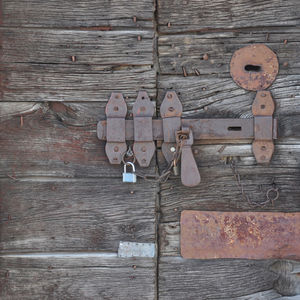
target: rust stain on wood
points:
(252, 235)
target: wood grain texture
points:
(83, 13)
(81, 83)
(89, 47)
(76, 278)
(288, 283)
(57, 140)
(75, 215)
(194, 15)
(188, 50)
(36, 64)
(213, 279)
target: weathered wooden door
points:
(63, 207)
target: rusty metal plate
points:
(252, 235)
(254, 67)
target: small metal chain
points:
(271, 195)
(166, 173)
(128, 154)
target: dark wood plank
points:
(69, 277)
(188, 50)
(83, 13)
(218, 189)
(75, 215)
(89, 47)
(55, 140)
(82, 83)
(213, 279)
(195, 15)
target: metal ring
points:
(123, 158)
(276, 193)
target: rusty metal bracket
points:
(170, 111)
(263, 108)
(116, 110)
(143, 146)
(253, 67)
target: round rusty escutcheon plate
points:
(254, 67)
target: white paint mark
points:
(130, 249)
(60, 255)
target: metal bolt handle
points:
(190, 175)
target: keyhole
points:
(234, 128)
(252, 68)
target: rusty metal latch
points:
(254, 68)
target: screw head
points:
(173, 149)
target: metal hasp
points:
(254, 68)
(259, 235)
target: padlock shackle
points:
(130, 164)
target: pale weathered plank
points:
(195, 15)
(55, 140)
(83, 277)
(75, 215)
(212, 279)
(90, 47)
(83, 13)
(51, 82)
(288, 283)
(9, 109)
(187, 51)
